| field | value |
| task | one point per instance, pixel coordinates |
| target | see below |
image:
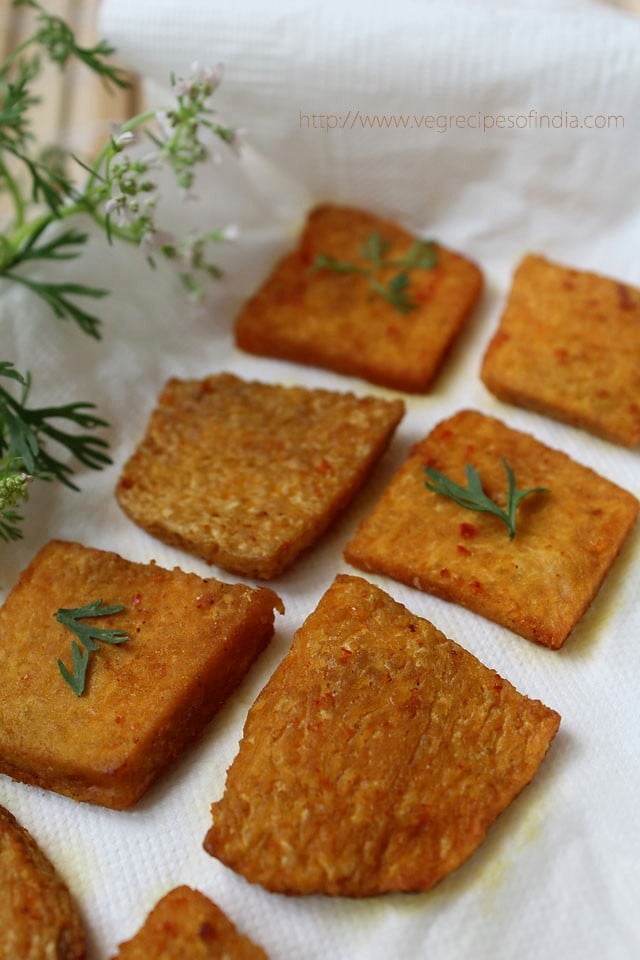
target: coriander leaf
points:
(25, 432)
(375, 247)
(89, 636)
(324, 262)
(473, 497)
(80, 660)
(10, 521)
(55, 294)
(422, 255)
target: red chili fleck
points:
(468, 530)
(136, 599)
(347, 653)
(206, 931)
(430, 462)
(463, 550)
(624, 296)
(324, 466)
(498, 685)
(444, 572)
(477, 586)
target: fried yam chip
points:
(333, 318)
(186, 925)
(190, 643)
(376, 757)
(38, 919)
(568, 346)
(538, 584)
(248, 475)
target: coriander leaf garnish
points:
(26, 435)
(89, 637)
(421, 255)
(473, 497)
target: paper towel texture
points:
(558, 874)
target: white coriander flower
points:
(119, 208)
(231, 232)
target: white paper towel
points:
(558, 874)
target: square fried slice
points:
(190, 643)
(568, 346)
(186, 925)
(330, 319)
(248, 475)
(38, 918)
(538, 584)
(376, 757)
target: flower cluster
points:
(13, 491)
(128, 185)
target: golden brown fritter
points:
(538, 584)
(38, 919)
(333, 320)
(568, 346)
(376, 757)
(248, 475)
(186, 925)
(191, 642)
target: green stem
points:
(13, 56)
(32, 229)
(14, 190)
(127, 127)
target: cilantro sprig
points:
(473, 497)
(89, 636)
(421, 255)
(26, 434)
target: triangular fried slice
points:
(186, 925)
(376, 757)
(38, 917)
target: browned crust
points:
(186, 925)
(38, 918)
(568, 346)
(376, 757)
(330, 320)
(248, 475)
(191, 642)
(538, 585)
